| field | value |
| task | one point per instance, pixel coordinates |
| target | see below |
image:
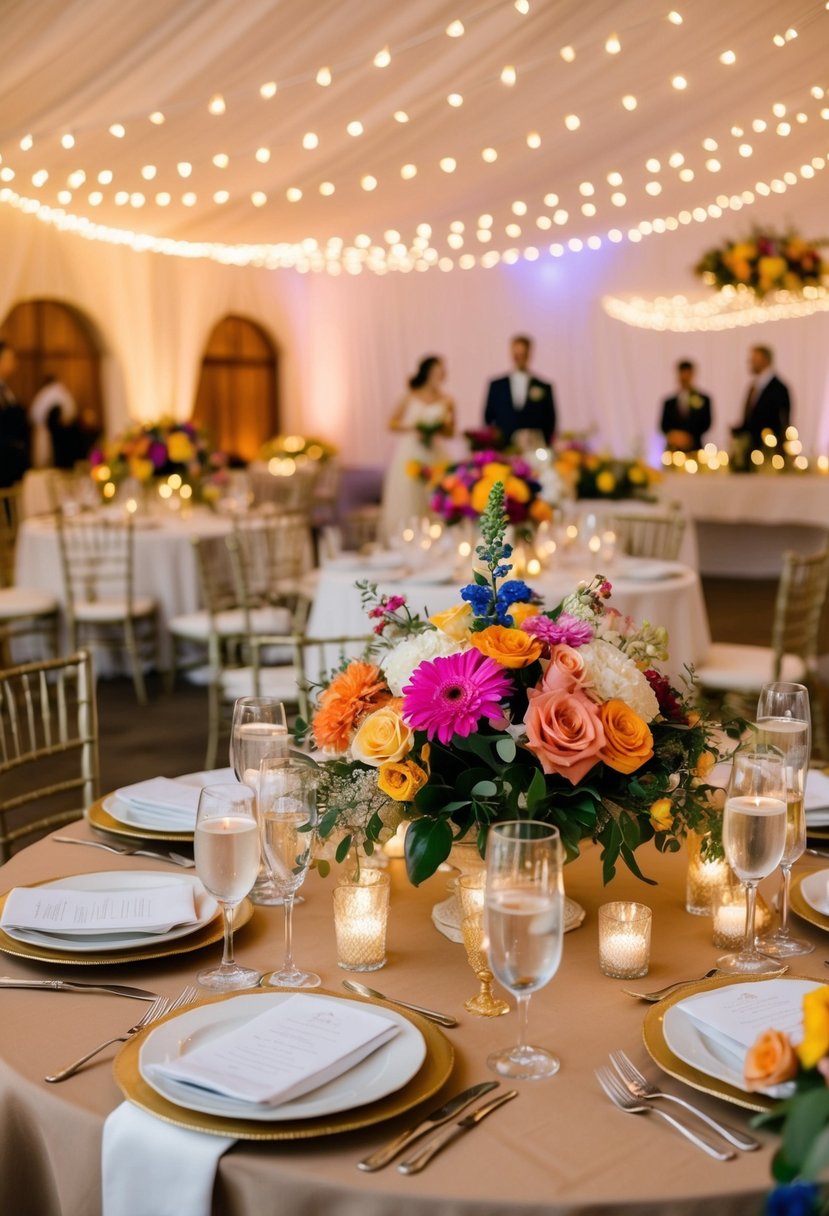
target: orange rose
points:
(771, 1060)
(628, 740)
(509, 647)
(541, 511)
(706, 762)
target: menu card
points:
(72, 913)
(289, 1050)
(735, 1016)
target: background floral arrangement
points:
(765, 261)
(158, 449)
(486, 439)
(500, 709)
(297, 447)
(461, 491)
(588, 475)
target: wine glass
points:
(524, 926)
(784, 725)
(287, 819)
(226, 849)
(754, 837)
(259, 729)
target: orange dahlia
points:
(351, 695)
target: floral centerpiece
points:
(155, 450)
(461, 491)
(500, 708)
(298, 448)
(589, 475)
(764, 262)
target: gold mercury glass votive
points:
(707, 877)
(729, 916)
(361, 913)
(624, 939)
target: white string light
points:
(730, 308)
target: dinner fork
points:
(640, 1087)
(129, 850)
(624, 1100)
(659, 994)
(159, 1009)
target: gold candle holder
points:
(707, 878)
(485, 1004)
(361, 913)
(729, 917)
(624, 939)
(470, 893)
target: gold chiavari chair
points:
(649, 536)
(23, 610)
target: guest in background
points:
(687, 416)
(14, 427)
(767, 405)
(521, 401)
(423, 416)
(53, 417)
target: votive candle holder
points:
(470, 894)
(361, 913)
(707, 878)
(624, 939)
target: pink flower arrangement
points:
(451, 694)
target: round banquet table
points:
(561, 1149)
(675, 601)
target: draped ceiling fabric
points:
(72, 70)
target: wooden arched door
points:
(236, 401)
(51, 338)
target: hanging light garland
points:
(731, 308)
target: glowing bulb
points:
(675, 18)
(618, 199)
(76, 179)
(533, 140)
(105, 177)
(543, 222)
(686, 175)
(216, 105)
(184, 168)
(509, 75)
(519, 207)
(778, 109)
(652, 165)
(572, 122)
(455, 29)
(454, 241)
(355, 128)
(268, 90)
(189, 199)
(513, 230)
(713, 165)
(148, 172)
(401, 116)
(679, 83)
(560, 217)
(137, 199)
(26, 143)
(407, 172)
(568, 54)
(424, 230)
(6, 174)
(117, 130)
(324, 77)
(40, 178)
(67, 141)
(162, 198)
(157, 118)
(455, 100)
(629, 102)
(221, 160)
(489, 155)
(653, 188)
(522, 7)
(293, 194)
(327, 189)
(310, 140)
(368, 182)
(221, 196)
(383, 58)
(263, 155)
(710, 145)
(613, 46)
(448, 164)
(745, 149)
(676, 159)
(64, 197)
(784, 128)
(759, 125)
(586, 189)
(728, 57)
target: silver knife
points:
(442, 1115)
(140, 994)
(422, 1158)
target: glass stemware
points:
(754, 837)
(287, 818)
(784, 723)
(524, 927)
(259, 729)
(226, 849)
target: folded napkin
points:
(161, 794)
(67, 912)
(150, 1168)
(290, 1049)
(817, 798)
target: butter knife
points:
(140, 994)
(413, 1165)
(443, 1114)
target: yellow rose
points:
(383, 736)
(480, 493)
(517, 489)
(521, 613)
(605, 482)
(662, 814)
(141, 470)
(628, 740)
(454, 622)
(179, 448)
(401, 779)
(496, 472)
(704, 765)
(815, 1044)
(509, 647)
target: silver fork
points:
(624, 1100)
(129, 850)
(659, 994)
(159, 1008)
(640, 1087)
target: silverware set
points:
(441, 1019)
(129, 850)
(659, 994)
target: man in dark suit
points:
(767, 405)
(687, 416)
(14, 425)
(520, 401)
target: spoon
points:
(442, 1019)
(659, 994)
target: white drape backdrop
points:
(348, 343)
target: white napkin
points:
(817, 798)
(161, 794)
(67, 912)
(151, 1168)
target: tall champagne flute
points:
(259, 729)
(226, 849)
(754, 837)
(784, 723)
(524, 926)
(287, 818)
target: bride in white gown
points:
(423, 416)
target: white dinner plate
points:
(158, 820)
(120, 880)
(645, 570)
(384, 1071)
(689, 1042)
(815, 890)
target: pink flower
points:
(564, 731)
(448, 696)
(568, 630)
(395, 602)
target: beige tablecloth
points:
(559, 1150)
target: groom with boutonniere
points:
(687, 416)
(521, 401)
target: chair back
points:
(10, 500)
(270, 554)
(217, 582)
(48, 746)
(650, 536)
(801, 595)
(97, 557)
(294, 491)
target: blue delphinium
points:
(794, 1199)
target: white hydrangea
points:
(399, 663)
(610, 673)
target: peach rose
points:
(455, 622)
(564, 731)
(629, 742)
(771, 1060)
(565, 669)
(383, 736)
(509, 647)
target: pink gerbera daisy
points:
(448, 696)
(567, 630)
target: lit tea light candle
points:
(395, 846)
(361, 911)
(624, 940)
(707, 878)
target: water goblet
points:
(524, 926)
(226, 849)
(259, 729)
(754, 836)
(287, 818)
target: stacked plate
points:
(159, 809)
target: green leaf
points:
(817, 1159)
(485, 789)
(506, 749)
(343, 849)
(807, 1118)
(536, 791)
(630, 861)
(323, 868)
(480, 579)
(428, 842)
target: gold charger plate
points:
(798, 905)
(432, 1075)
(207, 935)
(97, 817)
(653, 1035)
